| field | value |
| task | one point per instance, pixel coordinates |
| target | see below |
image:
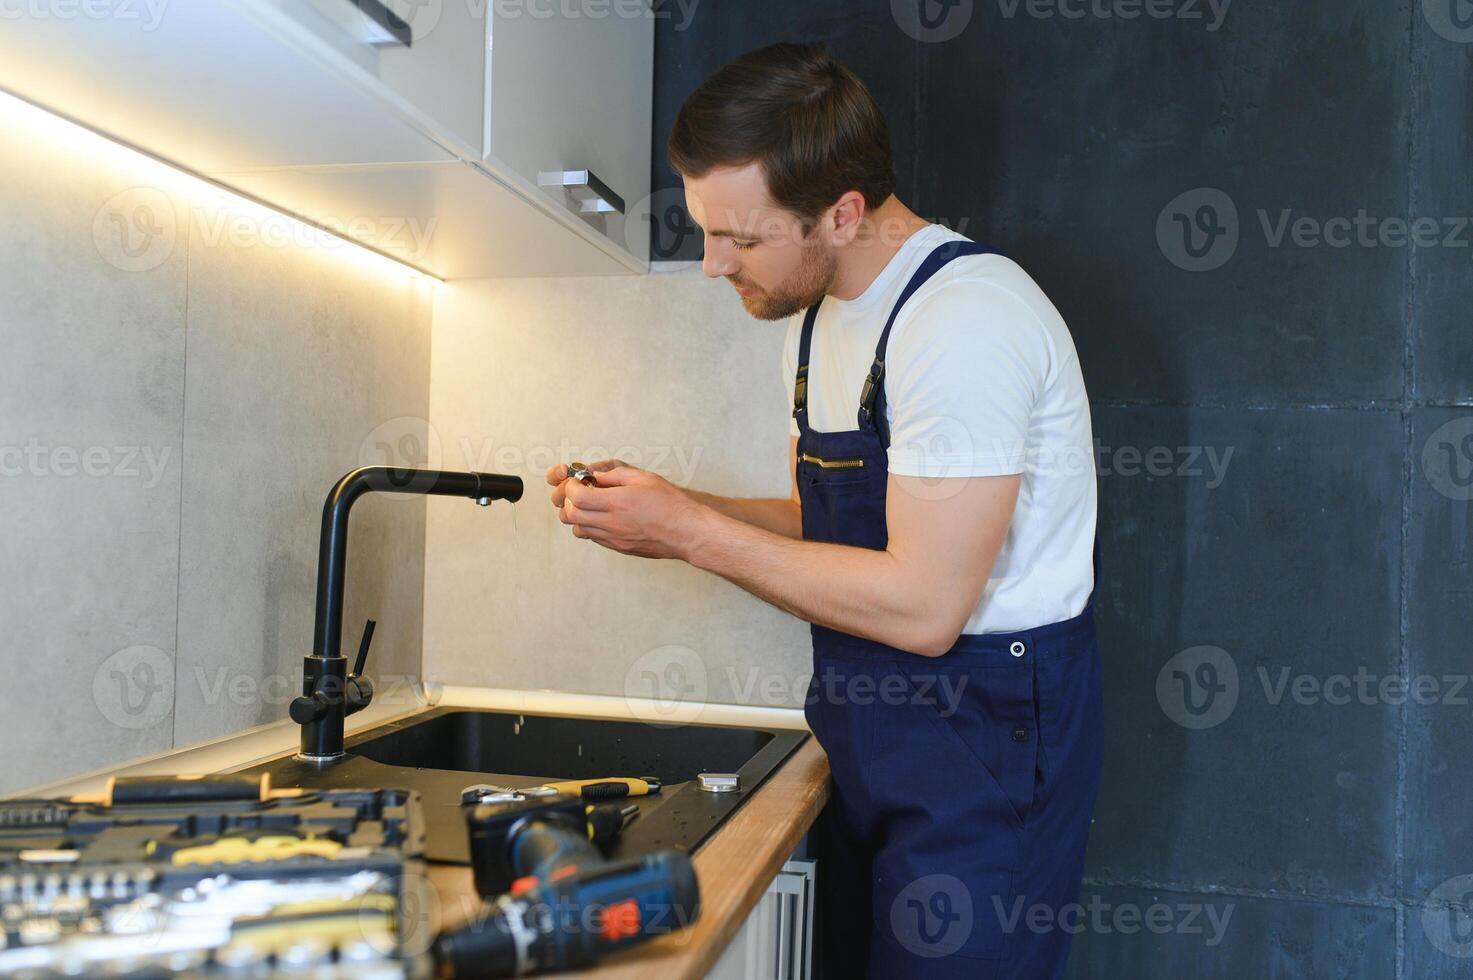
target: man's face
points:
(759, 248)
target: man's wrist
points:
(701, 531)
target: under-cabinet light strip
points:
(17, 112)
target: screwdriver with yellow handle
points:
(607, 788)
(611, 788)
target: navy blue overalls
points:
(963, 786)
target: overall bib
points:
(963, 785)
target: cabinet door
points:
(439, 74)
(570, 91)
(208, 86)
(776, 941)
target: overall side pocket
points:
(991, 713)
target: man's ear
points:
(846, 214)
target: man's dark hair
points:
(793, 108)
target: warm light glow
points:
(222, 214)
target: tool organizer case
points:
(320, 883)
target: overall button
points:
(1020, 734)
(1017, 649)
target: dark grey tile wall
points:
(1150, 933)
(1278, 791)
(689, 49)
(1442, 143)
(1255, 218)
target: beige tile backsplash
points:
(176, 401)
(667, 372)
(174, 406)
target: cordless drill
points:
(558, 902)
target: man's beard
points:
(806, 286)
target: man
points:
(939, 535)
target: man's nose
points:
(714, 264)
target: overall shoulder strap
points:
(800, 384)
(872, 398)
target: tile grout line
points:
(179, 540)
(917, 100)
(1233, 891)
(1393, 407)
(1409, 392)
(1395, 903)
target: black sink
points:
(444, 750)
(574, 748)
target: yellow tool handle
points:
(238, 850)
(612, 787)
(193, 788)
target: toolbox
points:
(210, 876)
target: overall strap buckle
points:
(871, 389)
(800, 390)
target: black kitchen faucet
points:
(329, 692)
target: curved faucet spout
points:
(322, 707)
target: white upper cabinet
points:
(572, 95)
(440, 74)
(320, 108)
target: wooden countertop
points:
(733, 866)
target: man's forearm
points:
(859, 591)
(782, 517)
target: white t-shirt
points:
(981, 379)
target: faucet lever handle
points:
(359, 691)
(363, 645)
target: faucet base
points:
(320, 760)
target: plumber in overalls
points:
(939, 537)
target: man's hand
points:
(558, 475)
(630, 511)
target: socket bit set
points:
(326, 883)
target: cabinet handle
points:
(596, 196)
(784, 939)
(388, 27)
